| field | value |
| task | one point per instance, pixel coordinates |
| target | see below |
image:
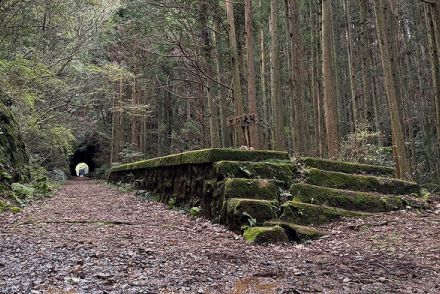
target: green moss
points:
(296, 232)
(347, 167)
(15, 209)
(241, 211)
(252, 188)
(306, 214)
(195, 211)
(351, 200)
(262, 235)
(6, 206)
(204, 156)
(360, 183)
(283, 171)
(13, 156)
(172, 202)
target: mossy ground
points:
(351, 200)
(262, 235)
(360, 183)
(306, 214)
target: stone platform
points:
(265, 195)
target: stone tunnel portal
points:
(84, 154)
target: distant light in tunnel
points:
(81, 169)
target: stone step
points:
(284, 171)
(307, 214)
(252, 188)
(263, 235)
(278, 231)
(339, 180)
(351, 200)
(297, 233)
(347, 167)
(244, 212)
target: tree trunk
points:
(251, 85)
(389, 60)
(116, 124)
(299, 130)
(279, 138)
(351, 64)
(263, 85)
(238, 97)
(134, 119)
(330, 97)
(435, 63)
(214, 134)
(221, 95)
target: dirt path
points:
(90, 238)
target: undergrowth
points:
(39, 185)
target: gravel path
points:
(91, 238)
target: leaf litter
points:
(92, 238)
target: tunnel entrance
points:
(82, 169)
(86, 155)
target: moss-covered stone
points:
(204, 156)
(252, 188)
(297, 233)
(347, 167)
(306, 214)
(15, 209)
(246, 211)
(282, 170)
(350, 200)
(360, 183)
(262, 235)
(13, 156)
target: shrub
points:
(363, 146)
(22, 191)
(57, 176)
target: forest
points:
(351, 80)
(116, 84)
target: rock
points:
(306, 214)
(249, 212)
(262, 235)
(13, 156)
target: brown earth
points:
(91, 238)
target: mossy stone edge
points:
(284, 171)
(350, 200)
(239, 211)
(263, 235)
(252, 188)
(306, 214)
(296, 232)
(204, 156)
(362, 183)
(347, 167)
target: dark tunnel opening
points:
(86, 154)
